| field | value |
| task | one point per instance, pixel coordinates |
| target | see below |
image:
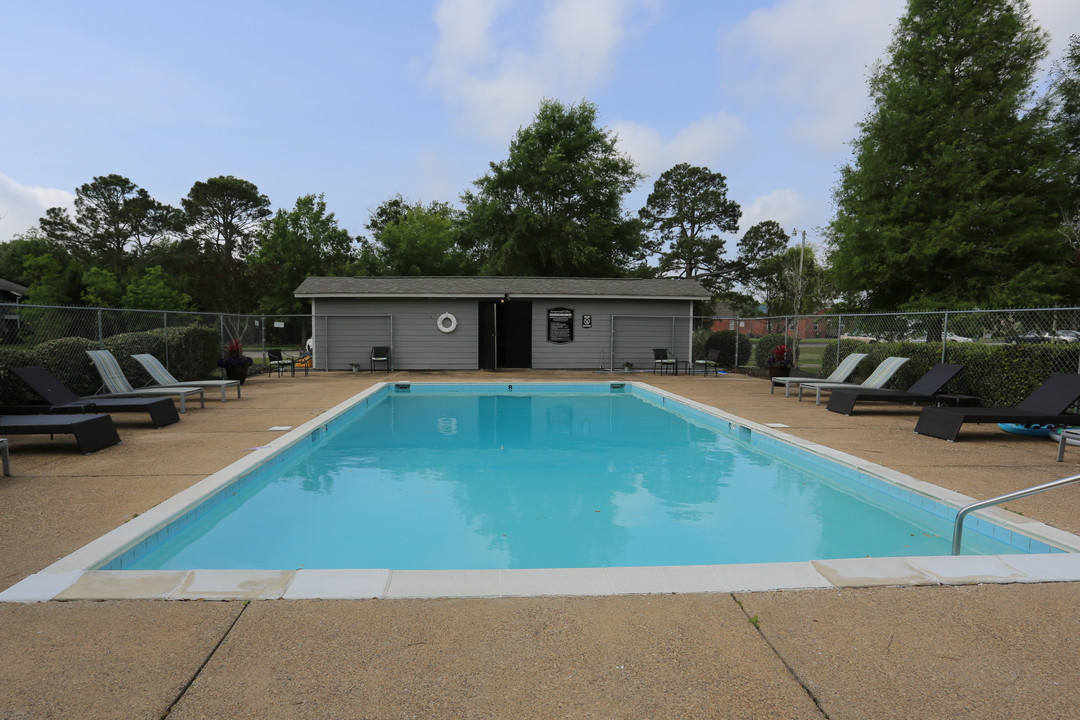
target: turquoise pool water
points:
(444, 477)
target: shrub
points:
(66, 358)
(725, 341)
(14, 391)
(124, 345)
(193, 352)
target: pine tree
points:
(947, 202)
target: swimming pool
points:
(441, 477)
(90, 572)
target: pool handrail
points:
(958, 525)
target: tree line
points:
(553, 207)
(962, 191)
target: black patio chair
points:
(663, 359)
(711, 361)
(380, 355)
(59, 399)
(1045, 405)
(925, 389)
(92, 432)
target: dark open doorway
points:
(505, 334)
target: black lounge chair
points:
(59, 399)
(1046, 405)
(924, 389)
(92, 432)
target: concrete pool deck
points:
(1003, 650)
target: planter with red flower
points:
(779, 364)
(235, 362)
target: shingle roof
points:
(411, 287)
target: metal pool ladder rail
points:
(958, 526)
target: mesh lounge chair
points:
(924, 389)
(1045, 405)
(164, 378)
(881, 375)
(118, 386)
(60, 399)
(840, 374)
(662, 359)
(92, 432)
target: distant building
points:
(489, 323)
(9, 320)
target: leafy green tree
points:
(298, 243)
(225, 213)
(947, 201)
(424, 241)
(387, 213)
(553, 207)
(153, 291)
(802, 285)
(101, 288)
(46, 276)
(1063, 104)
(32, 243)
(686, 211)
(760, 252)
(116, 223)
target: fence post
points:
(839, 334)
(738, 324)
(165, 330)
(944, 335)
(100, 331)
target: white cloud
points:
(1060, 18)
(813, 55)
(703, 142)
(22, 206)
(495, 61)
(784, 205)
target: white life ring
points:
(447, 323)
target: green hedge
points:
(192, 355)
(14, 391)
(999, 375)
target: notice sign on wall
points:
(560, 325)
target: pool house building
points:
(491, 323)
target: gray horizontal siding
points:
(636, 337)
(592, 347)
(346, 329)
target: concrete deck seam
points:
(205, 662)
(756, 622)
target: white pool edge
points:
(72, 577)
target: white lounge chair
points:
(118, 386)
(881, 375)
(164, 378)
(840, 374)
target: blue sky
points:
(362, 100)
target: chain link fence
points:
(1030, 343)
(1034, 341)
(27, 326)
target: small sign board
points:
(278, 324)
(586, 320)
(560, 325)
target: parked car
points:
(951, 337)
(1067, 336)
(1033, 336)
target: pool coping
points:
(71, 577)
